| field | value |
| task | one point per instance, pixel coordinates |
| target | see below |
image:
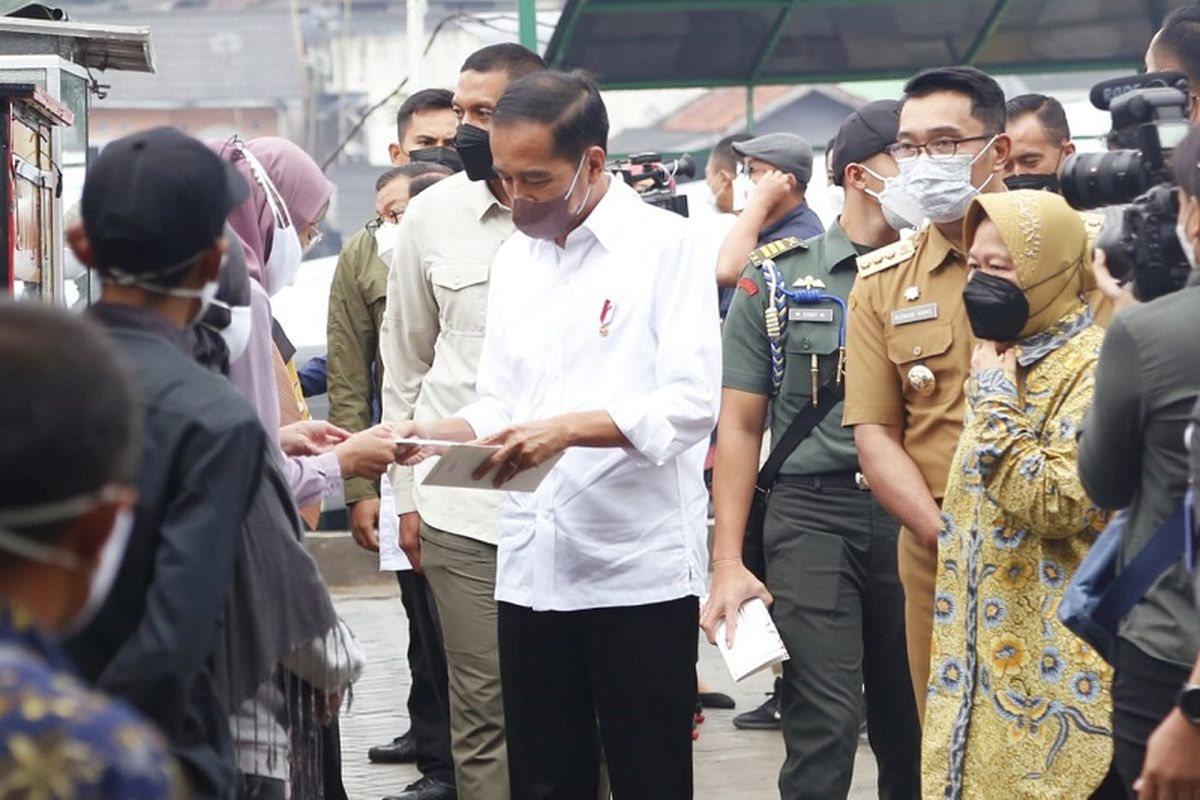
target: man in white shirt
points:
(430, 341)
(602, 341)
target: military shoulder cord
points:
(776, 315)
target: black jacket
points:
(153, 641)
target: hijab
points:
(1049, 248)
(304, 189)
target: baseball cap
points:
(787, 152)
(866, 132)
(154, 199)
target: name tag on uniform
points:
(906, 316)
(810, 315)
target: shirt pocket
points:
(801, 341)
(924, 344)
(461, 293)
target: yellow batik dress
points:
(1017, 706)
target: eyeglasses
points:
(377, 223)
(944, 147)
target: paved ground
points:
(730, 764)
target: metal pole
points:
(416, 44)
(527, 14)
(750, 108)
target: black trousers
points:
(429, 698)
(1144, 691)
(839, 607)
(622, 678)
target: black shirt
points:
(153, 640)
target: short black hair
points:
(68, 418)
(412, 171)
(568, 102)
(1185, 158)
(419, 102)
(987, 98)
(423, 182)
(722, 153)
(1180, 34)
(514, 59)
(1050, 114)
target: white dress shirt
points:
(609, 526)
(432, 335)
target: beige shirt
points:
(432, 336)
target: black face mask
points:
(1047, 182)
(997, 309)
(475, 150)
(446, 156)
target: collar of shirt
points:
(796, 217)
(479, 196)
(935, 249)
(839, 251)
(136, 318)
(1033, 349)
(18, 628)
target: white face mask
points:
(742, 187)
(102, 577)
(1189, 252)
(206, 294)
(385, 240)
(899, 208)
(283, 264)
(237, 333)
(942, 187)
(836, 197)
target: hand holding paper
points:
(757, 645)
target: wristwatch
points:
(1188, 702)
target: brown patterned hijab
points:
(1049, 248)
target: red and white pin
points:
(606, 316)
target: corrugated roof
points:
(205, 59)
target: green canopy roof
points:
(638, 44)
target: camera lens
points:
(1091, 180)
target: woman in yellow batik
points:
(1016, 705)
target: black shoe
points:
(401, 750)
(716, 700)
(763, 718)
(427, 789)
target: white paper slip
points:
(456, 466)
(756, 642)
(435, 444)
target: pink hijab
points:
(297, 178)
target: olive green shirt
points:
(747, 350)
(1132, 452)
(355, 371)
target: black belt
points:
(828, 480)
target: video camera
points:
(654, 179)
(1149, 117)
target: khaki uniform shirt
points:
(906, 312)
(432, 336)
(355, 373)
(809, 329)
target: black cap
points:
(154, 199)
(865, 133)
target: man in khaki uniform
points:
(909, 343)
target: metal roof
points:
(634, 44)
(102, 47)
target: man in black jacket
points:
(154, 208)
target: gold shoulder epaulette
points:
(775, 249)
(1092, 223)
(887, 256)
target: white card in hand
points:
(457, 465)
(756, 642)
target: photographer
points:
(1176, 47)
(1132, 453)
